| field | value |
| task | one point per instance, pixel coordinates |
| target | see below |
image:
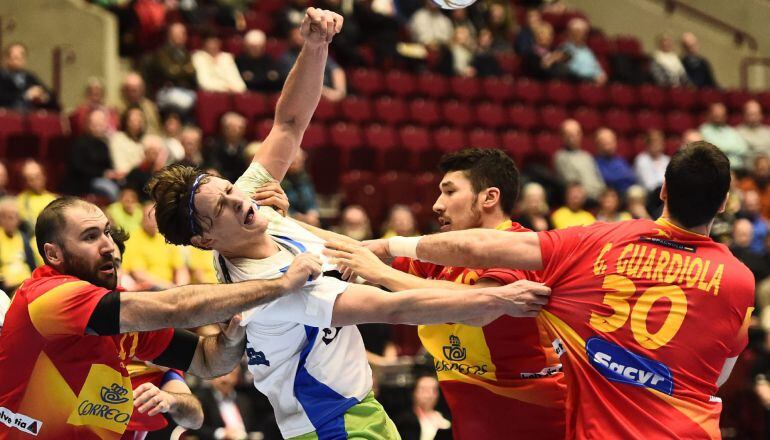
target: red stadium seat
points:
(209, 107)
(648, 119)
(356, 109)
(397, 188)
(367, 82)
(560, 93)
(262, 128)
(518, 144)
(448, 139)
(588, 118)
(22, 146)
(315, 136)
(628, 45)
(523, 117)
(599, 44)
(381, 137)
(413, 143)
(457, 113)
(252, 105)
(233, 44)
(45, 126)
(497, 88)
(414, 138)
(621, 95)
(527, 91)
(465, 88)
(390, 110)
(552, 117)
(275, 47)
(400, 83)
(509, 63)
(673, 144)
(735, 99)
(491, 115)
(326, 164)
(427, 191)
(346, 136)
(269, 7)
(546, 145)
(591, 95)
(361, 188)
(424, 112)
(619, 120)
(706, 97)
(677, 122)
(682, 98)
(652, 96)
(433, 85)
(764, 100)
(258, 20)
(481, 138)
(326, 111)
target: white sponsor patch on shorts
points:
(558, 347)
(25, 424)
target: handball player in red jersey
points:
(506, 370)
(651, 314)
(69, 333)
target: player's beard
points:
(80, 268)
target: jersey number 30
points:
(621, 289)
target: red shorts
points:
(478, 413)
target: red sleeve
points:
(416, 267)
(557, 249)
(503, 276)
(65, 309)
(152, 344)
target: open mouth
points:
(444, 223)
(107, 268)
(250, 214)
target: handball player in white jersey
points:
(304, 351)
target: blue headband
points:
(195, 186)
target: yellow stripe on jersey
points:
(45, 311)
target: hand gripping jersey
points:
(57, 381)
(141, 373)
(647, 314)
(506, 370)
(311, 372)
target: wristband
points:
(403, 246)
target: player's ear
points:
(491, 197)
(663, 192)
(724, 204)
(53, 254)
(201, 241)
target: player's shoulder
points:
(36, 287)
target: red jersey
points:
(57, 381)
(647, 313)
(506, 370)
(141, 373)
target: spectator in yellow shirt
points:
(126, 212)
(34, 197)
(201, 265)
(152, 262)
(18, 257)
(573, 214)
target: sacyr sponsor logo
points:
(620, 365)
(114, 395)
(104, 411)
(454, 351)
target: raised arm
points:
(196, 305)
(365, 304)
(480, 248)
(300, 94)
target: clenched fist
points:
(319, 26)
(305, 267)
(522, 299)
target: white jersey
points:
(5, 302)
(310, 371)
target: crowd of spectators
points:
(116, 149)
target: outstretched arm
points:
(481, 248)
(365, 304)
(300, 94)
(196, 305)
